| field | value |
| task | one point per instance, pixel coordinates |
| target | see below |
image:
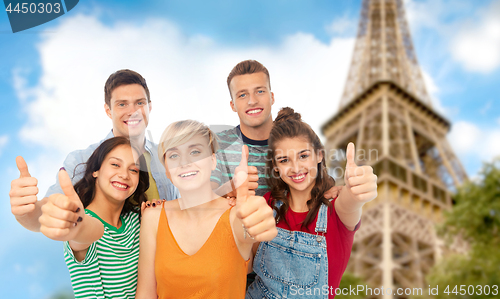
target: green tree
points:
(476, 218)
(351, 281)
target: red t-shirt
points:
(338, 240)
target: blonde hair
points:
(180, 132)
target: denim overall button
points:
(318, 239)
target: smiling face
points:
(190, 165)
(297, 163)
(252, 100)
(118, 176)
(129, 109)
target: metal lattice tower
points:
(384, 51)
(386, 112)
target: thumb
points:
(23, 167)
(241, 176)
(66, 185)
(350, 155)
(244, 158)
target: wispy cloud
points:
(433, 91)
(344, 26)
(477, 44)
(4, 139)
(471, 33)
(470, 140)
(485, 109)
(65, 108)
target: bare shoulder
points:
(151, 216)
(172, 205)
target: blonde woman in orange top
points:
(197, 246)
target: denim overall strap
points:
(322, 221)
(291, 264)
(278, 204)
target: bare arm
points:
(91, 230)
(146, 283)
(255, 246)
(63, 219)
(252, 219)
(30, 220)
(348, 210)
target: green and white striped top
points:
(229, 157)
(109, 269)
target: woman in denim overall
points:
(295, 263)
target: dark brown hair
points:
(85, 188)
(123, 77)
(288, 124)
(247, 67)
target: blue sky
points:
(51, 80)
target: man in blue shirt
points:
(127, 104)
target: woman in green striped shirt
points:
(99, 222)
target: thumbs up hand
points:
(360, 181)
(249, 174)
(255, 215)
(23, 190)
(62, 213)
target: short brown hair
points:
(123, 77)
(247, 67)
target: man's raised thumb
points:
(241, 176)
(23, 167)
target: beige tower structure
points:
(386, 111)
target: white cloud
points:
(342, 26)
(433, 91)
(464, 137)
(422, 14)
(437, 15)
(477, 44)
(469, 140)
(4, 139)
(186, 76)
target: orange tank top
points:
(217, 270)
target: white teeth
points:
(120, 185)
(299, 177)
(188, 174)
(254, 111)
(133, 122)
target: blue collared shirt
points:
(77, 159)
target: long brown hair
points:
(288, 124)
(85, 188)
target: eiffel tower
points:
(386, 111)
